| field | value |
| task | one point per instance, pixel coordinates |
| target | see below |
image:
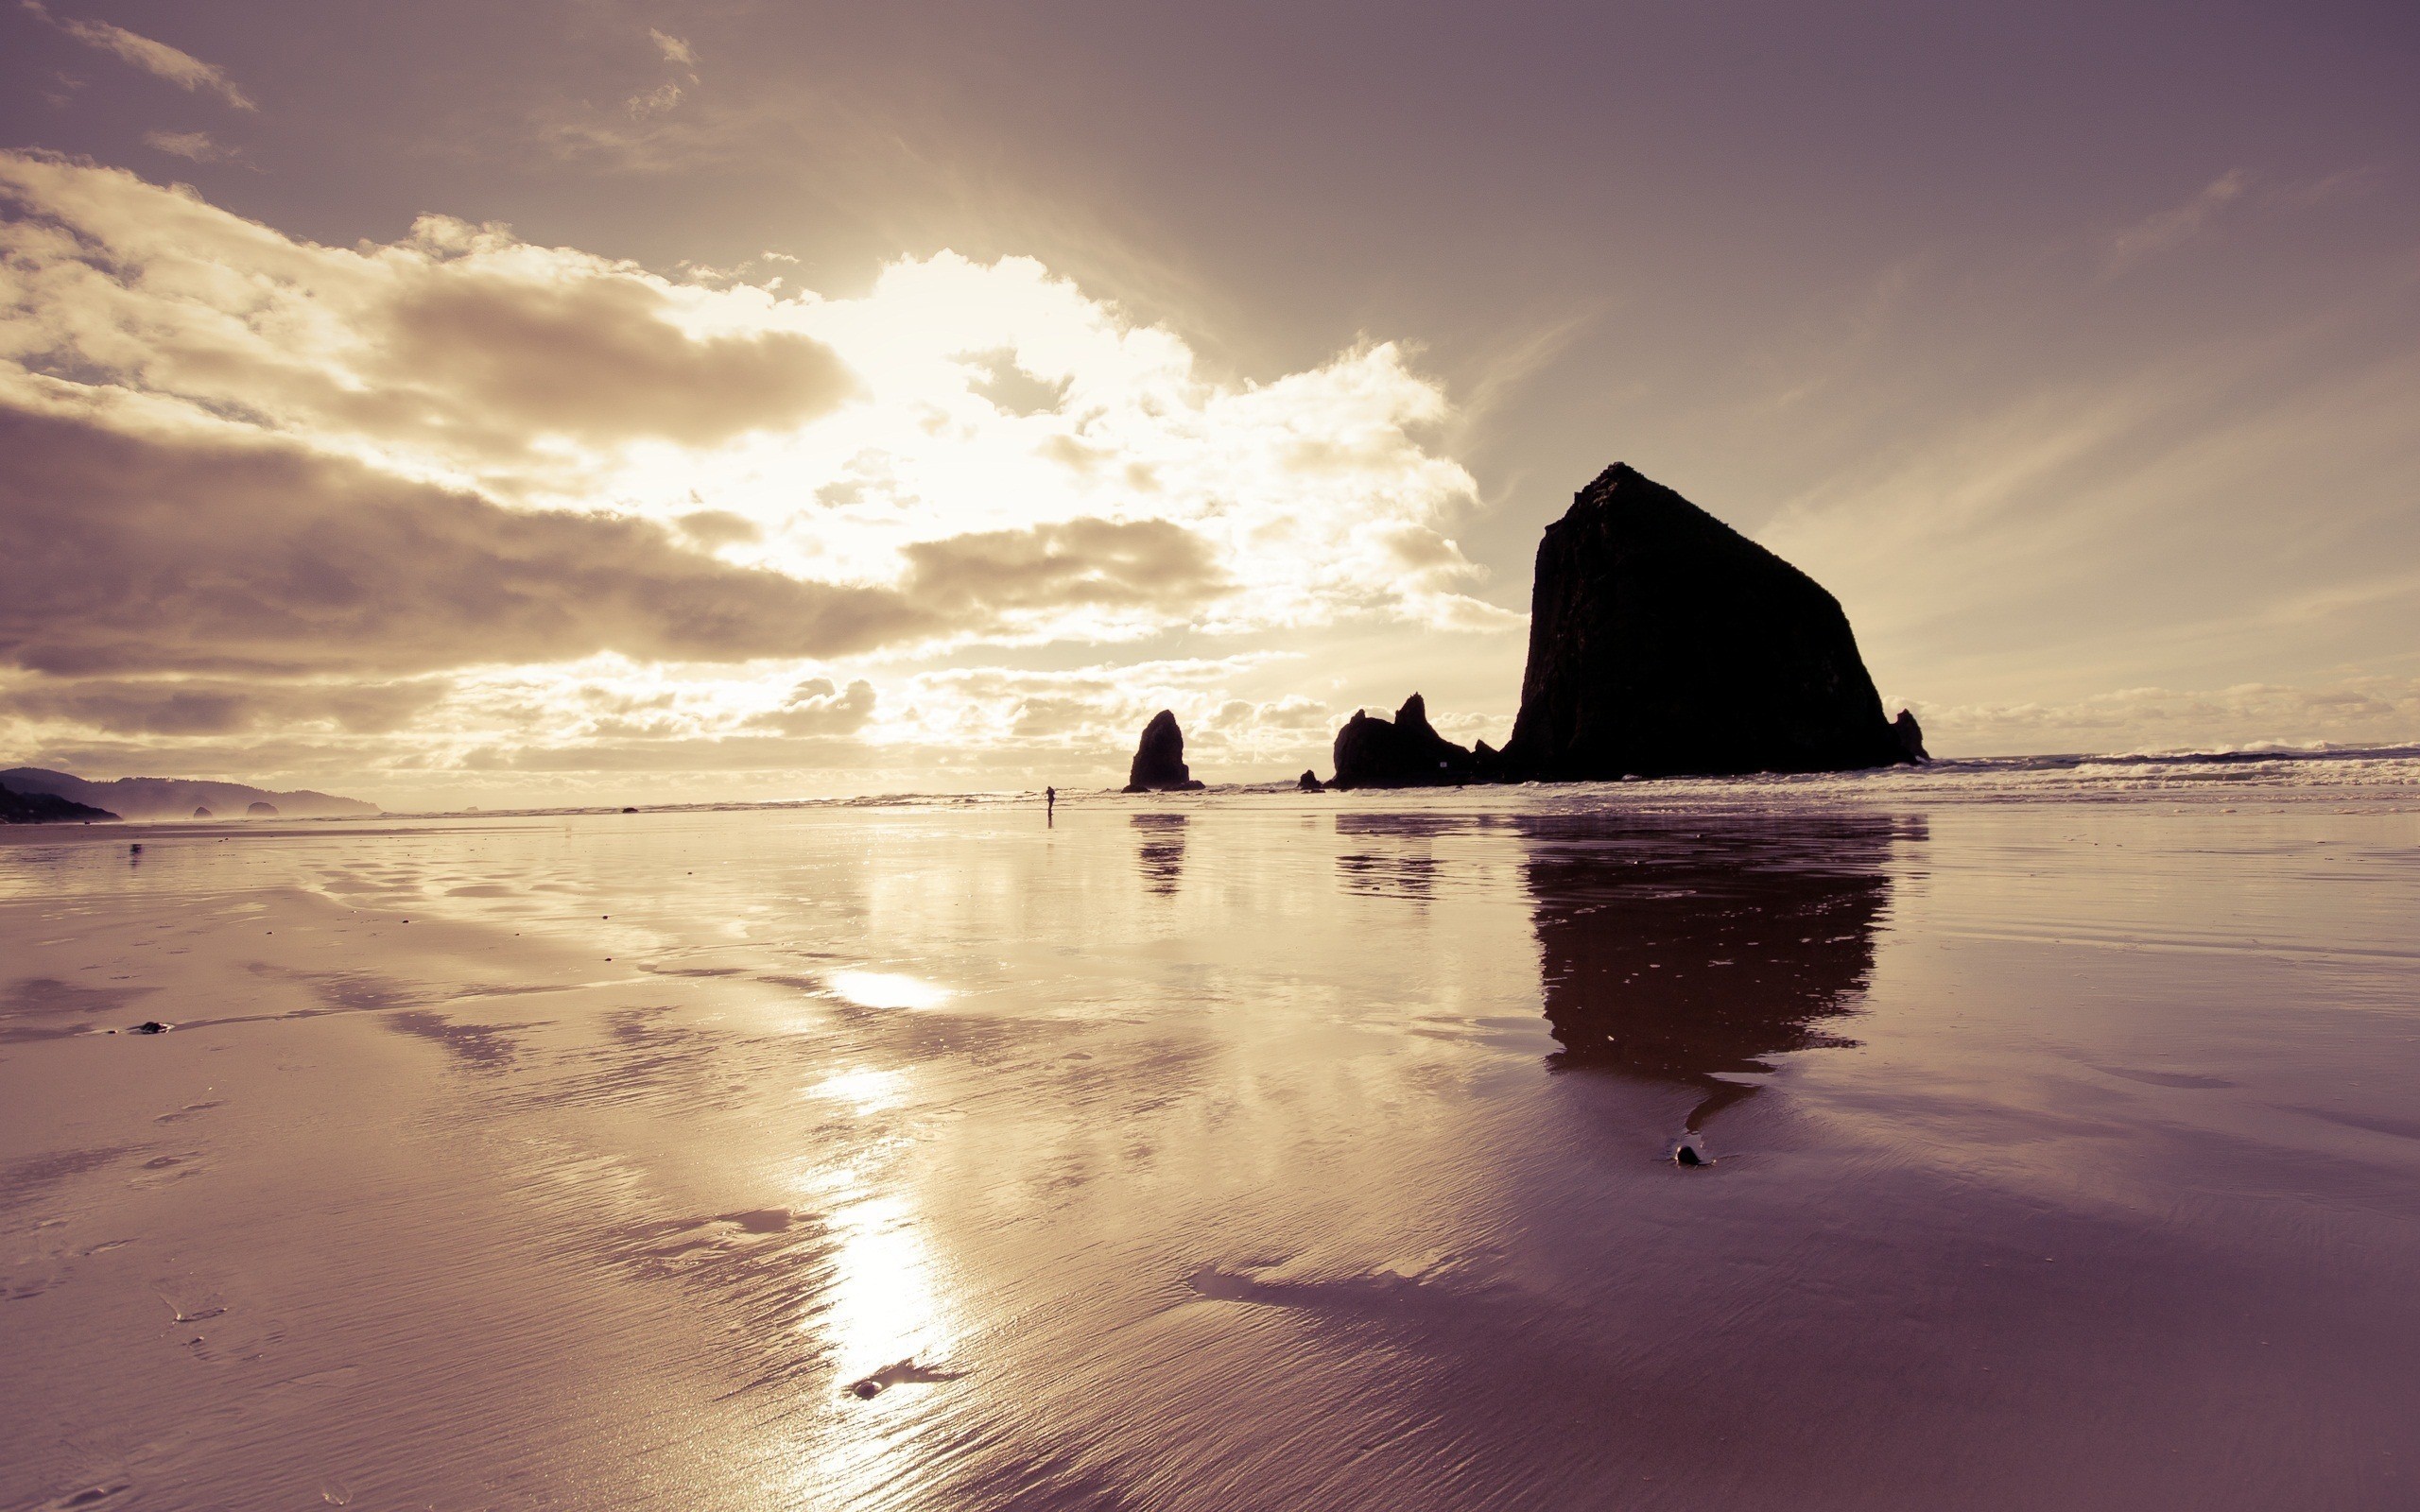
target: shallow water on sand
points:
(1249, 1152)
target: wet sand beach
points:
(1240, 1150)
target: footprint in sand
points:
(163, 1169)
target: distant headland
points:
(46, 808)
(1662, 644)
(178, 797)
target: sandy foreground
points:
(1247, 1153)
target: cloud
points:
(647, 105)
(673, 48)
(1109, 563)
(220, 552)
(2378, 708)
(718, 527)
(654, 101)
(546, 376)
(2233, 193)
(1091, 715)
(2054, 528)
(194, 147)
(1518, 361)
(462, 345)
(1294, 713)
(2154, 234)
(729, 753)
(179, 68)
(816, 707)
(1015, 390)
(219, 706)
(592, 357)
(124, 553)
(462, 502)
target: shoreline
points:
(2390, 767)
(2392, 770)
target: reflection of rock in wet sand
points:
(1401, 863)
(1162, 850)
(1689, 955)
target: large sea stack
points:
(1159, 759)
(1662, 642)
(1406, 752)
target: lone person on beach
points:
(1050, 806)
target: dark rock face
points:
(1408, 752)
(261, 811)
(1662, 642)
(46, 808)
(202, 813)
(1910, 736)
(1310, 782)
(1159, 759)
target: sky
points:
(589, 401)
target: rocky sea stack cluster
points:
(1662, 644)
(1405, 752)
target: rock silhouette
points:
(1159, 759)
(261, 811)
(1662, 642)
(1309, 782)
(1910, 736)
(202, 811)
(1406, 752)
